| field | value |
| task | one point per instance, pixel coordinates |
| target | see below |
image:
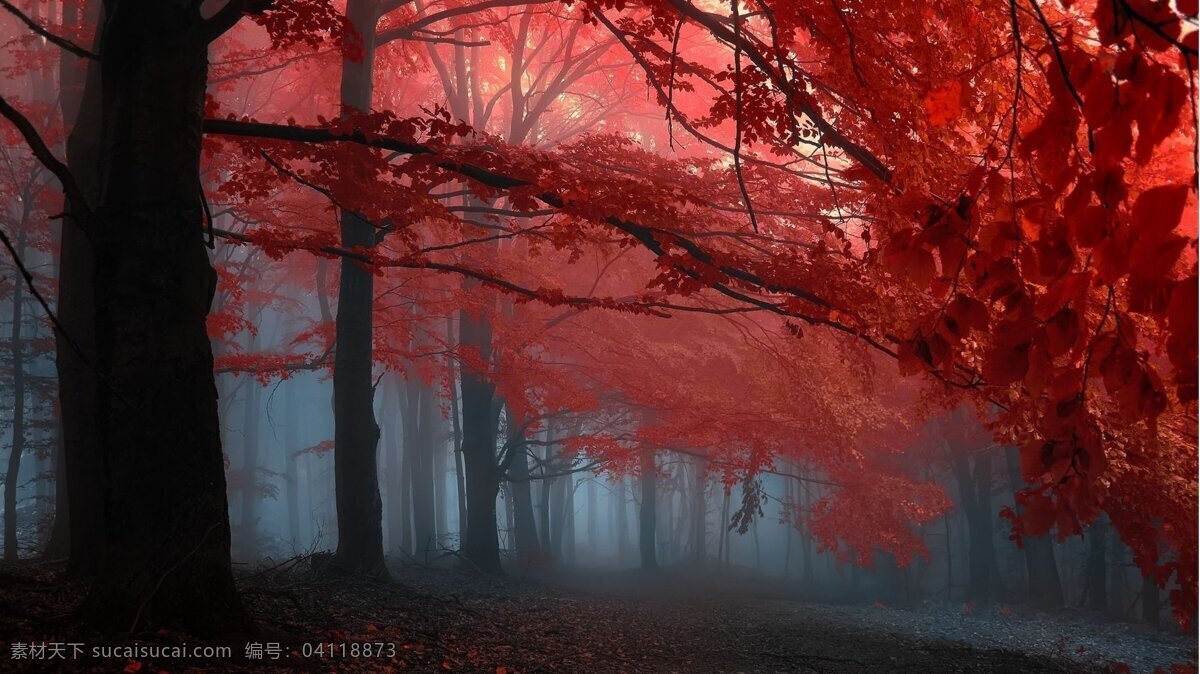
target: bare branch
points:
(38, 28)
(45, 156)
(228, 16)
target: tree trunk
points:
(975, 491)
(545, 486)
(59, 545)
(621, 512)
(406, 451)
(164, 540)
(1150, 600)
(757, 545)
(806, 540)
(723, 545)
(481, 545)
(248, 527)
(567, 544)
(43, 499)
(1118, 595)
(356, 435)
(422, 471)
(558, 516)
(1095, 589)
(17, 448)
(1045, 587)
(648, 515)
(438, 447)
(291, 477)
(524, 525)
(593, 522)
(460, 489)
(82, 101)
(699, 510)
(395, 506)
(789, 500)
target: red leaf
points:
(944, 104)
(1008, 359)
(1159, 210)
(1088, 226)
(1155, 256)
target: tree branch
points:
(406, 31)
(46, 157)
(38, 28)
(648, 237)
(228, 16)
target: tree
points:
(359, 507)
(972, 461)
(164, 551)
(1041, 569)
(648, 509)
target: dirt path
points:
(440, 620)
(661, 623)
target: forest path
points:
(682, 622)
(601, 621)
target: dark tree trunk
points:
(806, 556)
(593, 522)
(545, 485)
(81, 101)
(621, 512)
(422, 470)
(806, 538)
(1095, 583)
(1045, 587)
(789, 499)
(524, 526)
(412, 409)
(17, 448)
(396, 505)
(460, 489)
(723, 544)
(567, 545)
(1117, 594)
(356, 435)
(648, 515)
(1150, 600)
(72, 73)
(558, 506)
(248, 526)
(891, 581)
(676, 517)
(291, 477)
(481, 544)
(757, 546)
(59, 544)
(438, 447)
(975, 491)
(558, 520)
(164, 540)
(506, 497)
(44, 514)
(699, 509)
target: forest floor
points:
(603, 621)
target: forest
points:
(599, 335)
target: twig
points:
(50, 37)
